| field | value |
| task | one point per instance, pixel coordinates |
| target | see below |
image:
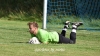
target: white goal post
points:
(44, 14)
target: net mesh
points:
(61, 7)
(90, 8)
(87, 11)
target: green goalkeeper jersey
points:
(46, 37)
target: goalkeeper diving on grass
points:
(42, 36)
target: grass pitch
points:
(14, 36)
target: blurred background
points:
(58, 11)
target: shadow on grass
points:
(90, 29)
(19, 42)
(14, 29)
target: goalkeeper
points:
(46, 37)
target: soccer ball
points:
(34, 40)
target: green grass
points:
(14, 38)
(89, 23)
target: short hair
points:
(33, 23)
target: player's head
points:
(34, 24)
(33, 27)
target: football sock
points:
(74, 27)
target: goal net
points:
(87, 11)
